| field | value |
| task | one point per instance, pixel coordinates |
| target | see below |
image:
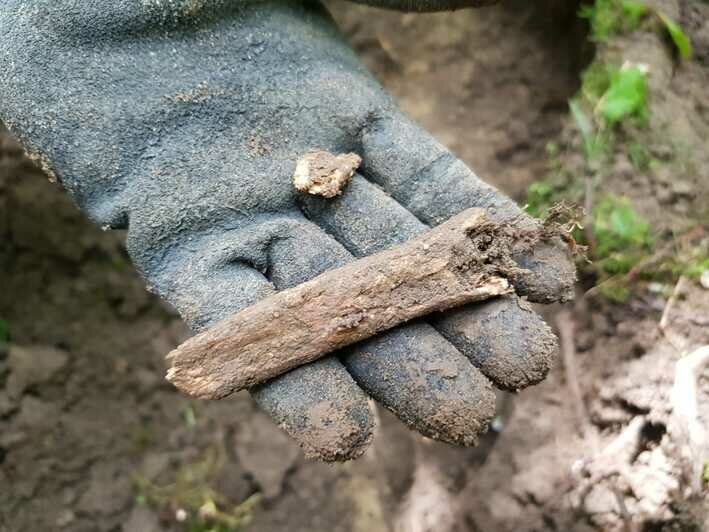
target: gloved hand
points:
(182, 120)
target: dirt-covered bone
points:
(322, 173)
(464, 260)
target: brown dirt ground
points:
(87, 422)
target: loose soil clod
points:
(464, 260)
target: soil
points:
(93, 439)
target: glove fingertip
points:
(320, 407)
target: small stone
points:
(323, 174)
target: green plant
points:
(679, 38)
(625, 97)
(557, 187)
(622, 237)
(608, 96)
(203, 508)
(595, 140)
(540, 196)
(687, 261)
(611, 17)
(595, 80)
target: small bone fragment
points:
(461, 261)
(323, 174)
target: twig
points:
(664, 320)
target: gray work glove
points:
(182, 122)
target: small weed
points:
(552, 149)
(608, 96)
(689, 261)
(558, 187)
(622, 237)
(612, 17)
(595, 81)
(626, 95)
(595, 141)
(679, 38)
(192, 499)
(540, 196)
(608, 18)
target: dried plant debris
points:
(323, 174)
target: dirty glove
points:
(182, 121)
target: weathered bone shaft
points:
(455, 263)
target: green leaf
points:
(539, 198)
(633, 12)
(684, 47)
(585, 127)
(612, 17)
(626, 95)
(622, 235)
(582, 121)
